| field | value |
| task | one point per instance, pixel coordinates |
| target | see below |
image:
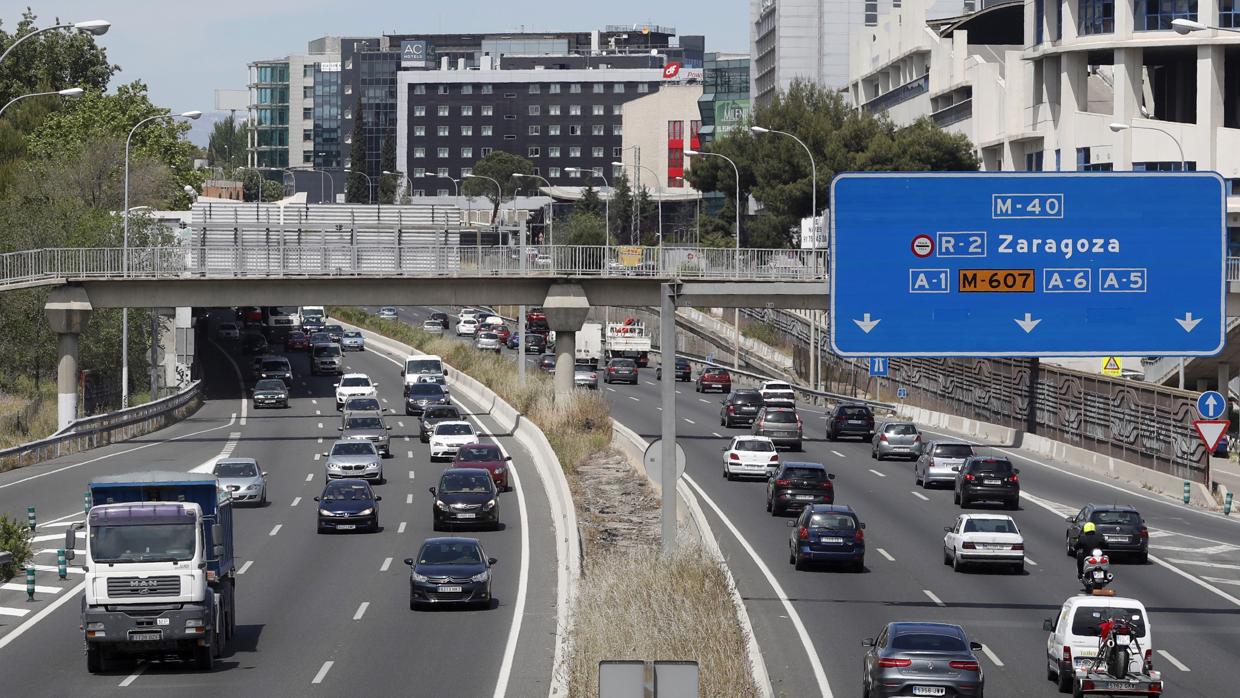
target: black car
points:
(546, 363)
(312, 323)
(684, 372)
(621, 370)
(987, 478)
(336, 332)
(442, 318)
(466, 496)
(348, 504)
(435, 414)
(740, 407)
(275, 367)
(798, 485)
(419, 396)
(254, 344)
(450, 570)
(850, 420)
(1120, 525)
(535, 343)
(270, 393)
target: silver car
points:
(487, 341)
(921, 659)
(354, 458)
(432, 326)
(585, 376)
(366, 426)
(894, 439)
(387, 312)
(242, 478)
(352, 340)
(939, 461)
(326, 358)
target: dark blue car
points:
(450, 570)
(348, 504)
(827, 533)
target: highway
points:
(1191, 586)
(318, 614)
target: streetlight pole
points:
(125, 250)
(550, 208)
(478, 236)
(330, 178)
(97, 27)
(736, 312)
(70, 92)
(606, 215)
(637, 178)
(370, 191)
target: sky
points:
(186, 49)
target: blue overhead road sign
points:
(1211, 405)
(1025, 264)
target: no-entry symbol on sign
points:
(923, 246)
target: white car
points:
(432, 326)
(228, 330)
(778, 394)
(467, 327)
(1073, 640)
(355, 385)
(448, 437)
(468, 314)
(984, 539)
(750, 456)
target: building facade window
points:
(596, 152)
(484, 151)
(553, 151)
(871, 13)
(467, 89)
(443, 89)
(419, 152)
(467, 130)
(467, 110)
(487, 130)
(535, 88)
(598, 88)
(441, 192)
(442, 131)
(1033, 161)
(419, 131)
(574, 129)
(488, 110)
(419, 172)
(442, 172)
(419, 110)
(533, 152)
(553, 130)
(419, 89)
(618, 88)
(575, 88)
(617, 110)
(617, 152)
(574, 151)
(553, 110)
(598, 110)
(1164, 166)
(1083, 163)
(467, 152)
(443, 110)
(418, 193)
(553, 172)
(441, 153)
(642, 88)
(1229, 13)
(535, 130)
(574, 110)
(535, 109)
(1156, 15)
(1096, 17)
(597, 129)
(554, 88)
(486, 89)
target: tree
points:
(647, 218)
(254, 187)
(581, 228)
(621, 205)
(501, 167)
(51, 61)
(227, 145)
(387, 163)
(590, 201)
(357, 191)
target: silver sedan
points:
(242, 479)
(353, 458)
(585, 377)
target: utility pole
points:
(635, 223)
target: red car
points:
(535, 315)
(714, 379)
(296, 340)
(488, 456)
(503, 332)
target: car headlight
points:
(481, 576)
(324, 512)
(366, 512)
(489, 505)
(440, 505)
(250, 488)
(499, 471)
(418, 577)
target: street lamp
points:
(70, 92)
(125, 249)
(402, 175)
(694, 153)
(638, 178)
(97, 27)
(370, 193)
(550, 208)
(498, 189)
(606, 214)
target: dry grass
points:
(27, 414)
(640, 605)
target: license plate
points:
(991, 482)
(1099, 574)
(805, 497)
(1115, 685)
(146, 636)
(858, 421)
(449, 590)
(994, 546)
(346, 527)
(1116, 539)
(831, 539)
(163, 621)
(467, 516)
(929, 691)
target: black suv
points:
(442, 318)
(1120, 524)
(797, 485)
(740, 407)
(624, 370)
(419, 396)
(683, 371)
(988, 478)
(850, 420)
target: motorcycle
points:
(1096, 572)
(1117, 644)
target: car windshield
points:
(990, 526)
(753, 445)
(457, 481)
(148, 543)
(276, 365)
(953, 450)
(461, 553)
(781, 417)
(269, 384)
(362, 404)
(235, 470)
(356, 382)
(353, 448)
(855, 412)
(334, 329)
(928, 642)
(811, 474)
(353, 334)
(363, 423)
(835, 522)
(327, 351)
(900, 429)
(1087, 620)
(1116, 518)
(454, 430)
(424, 390)
(442, 413)
(992, 467)
(477, 454)
(422, 366)
(339, 492)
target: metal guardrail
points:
(103, 429)
(279, 261)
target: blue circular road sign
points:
(1211, 405)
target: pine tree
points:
(357, 191)
(387, 163)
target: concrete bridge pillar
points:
(68, 312)
(566, 307)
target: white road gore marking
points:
(1203, 563)
(14, 612)
(1173, 661)
(310, 476)
(878, 473)
(401, 527)
(387, 562)
(991, 655)
(885, 554)
(361, 610)
(245, 567)
(920, 496)
(296, 501)
(327, 666)
(276, 529)
(935, 599)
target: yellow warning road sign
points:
(1112, 366)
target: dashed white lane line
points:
(885, 554)
(406, 438)
(716, 434)
(689, 421)
(878, 473)
(319, 412)
(1173, 661)
(134, 676)
(276, 529)
(649, 382)
(702, 399)
(409, 454)
(991, 655)
(385, 401)
(316, 457)
(933, 598)
(1203, 563)
(38, 588)
(401, 527)
(412, 475)
(920, 496)
(245, 567)
(295, 502)
(320, 425)
(320, 441)
(1031, 562)
(43, 613)
(15, 612)
(327, 666)
(361, 610)
(634, 399)
(310, 476)
(677, 392)
(409, 498)
(841, 455)
(611, 389)
(313, 401)
(387, 562)
(400, 424)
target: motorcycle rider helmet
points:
(1089, 527)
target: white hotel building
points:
(1036, 85)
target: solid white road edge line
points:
(45, 612)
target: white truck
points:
(589, 348)
(628, 340)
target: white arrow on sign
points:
(1028, 323)
(1187, 322)
(866, 324)
(1211, 402)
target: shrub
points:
(14, 538)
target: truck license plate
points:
(146, 636)
(929, 691)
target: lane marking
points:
(387, 562)
(1029, 561)
(296, 501)
(920, 496)
(716, 434)
(318, 678)
(409, 498)
(841, 455)
(1203, 563)
(878, 473)
(690, 421)
(1174, 662)
(320, 441)
(702, 399)
(991, 655)
(320, 425)
(400, 424)
(1212, 550)
(310, 476)
(409, 454)
(885, 554)
(319, 412)
(361, 610)
(411, 475)
(15, 612)
(316, 457)
(611, 389)
(245, 567)
(45, 612)
(820, 676)
(276, 529)
(38, 588)
(1220, 580)
(634, 399)
(53, 568)
(933, 598)
(134, 676)
(401, 527)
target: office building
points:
(724, 104)
(658, 128)
(295, 108)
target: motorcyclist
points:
(1085, 544)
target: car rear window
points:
(900, 429)
(753, 445)
(781, 417)
(442, 413)
(811, 474)
(454, 430)
(624, 363)
(990, 526)
(1116, 518)
(835, 522)
(1087, 620)
(855, 412)
(929, 642)
(953, 450)
(747, 399)
(997, 467)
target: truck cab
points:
(424, 368)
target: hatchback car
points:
(228, 332)
(352, 341)
(827, 533)
(782, 425)
(714, 379)
(986, 478)
(434, 414)
(749, 456)
(621, 370)
(466, 327)
(535, 343)
(546, 363)
(487, 341)
(585, 376)
(242, 479)
(447, 437)
(325, 358)
(778, 393)
(683, 371)
(354, 385)
(503, 332)
(465, 496)
(984, 539)
(740, 407)
(432, 326)
(354, 459)
(450, 571)
(348, 505)
(938, 461)
(367, 426)
(797, 485)
(921, 659)
(276, 367)
(320, 337)
(489, 457)
(894, 439)
(387, 312)
(1120, 525)
(270, 393)
(850, 420)
(420, 396)
(296, 341)
(336, 332)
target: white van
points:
(424, 368)
(314, 313)
(1073, 640)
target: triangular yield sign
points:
(1111, 364)
(1211, 431)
